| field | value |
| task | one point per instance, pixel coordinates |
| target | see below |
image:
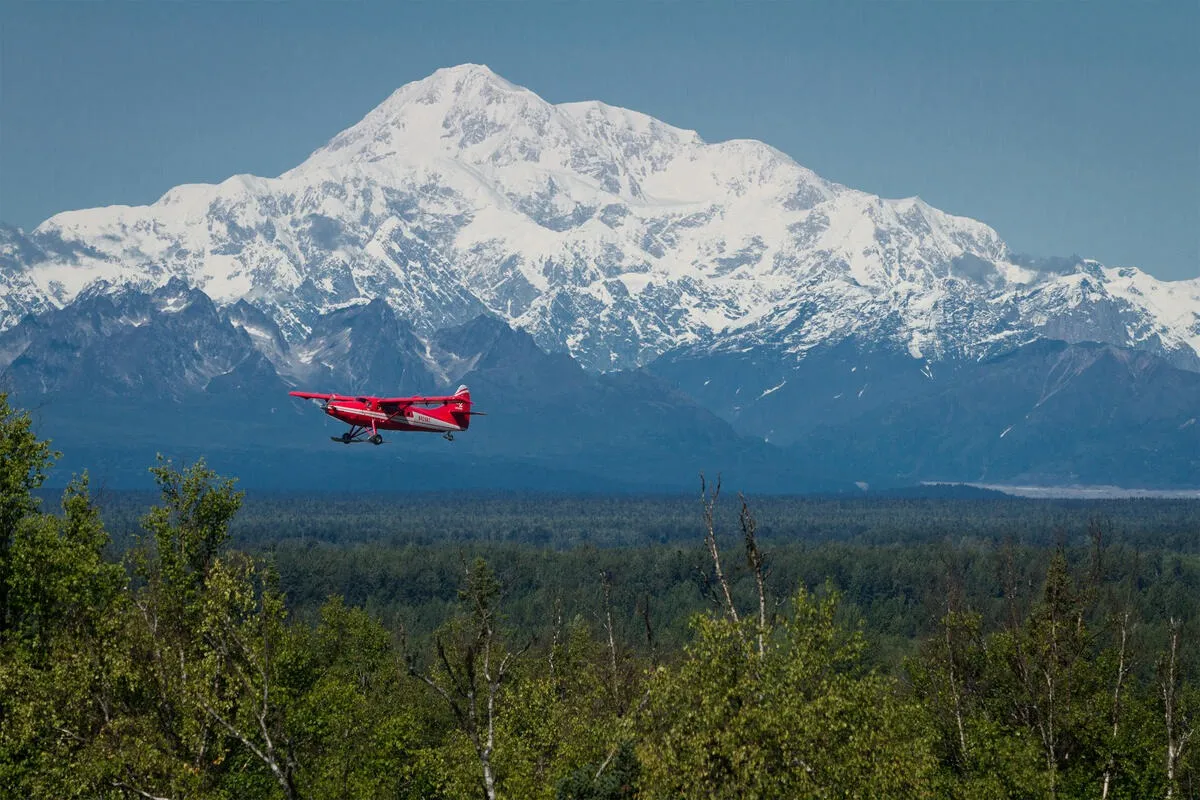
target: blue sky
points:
(1069, 127)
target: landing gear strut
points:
(358, 433)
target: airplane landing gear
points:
(357, 433)
(449, 437)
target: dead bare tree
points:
(1096, 531)
(1115, 716)
(614, 674)
(709, 501)
(754, 558)
(1179, 730)
(955, 680)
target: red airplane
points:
(452, 413)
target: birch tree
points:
(472, 664)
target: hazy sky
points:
(1069, 127)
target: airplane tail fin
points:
(462, 406)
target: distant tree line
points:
(568, 522)
(179, 667)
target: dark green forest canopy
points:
(562, 521)
(893, 559)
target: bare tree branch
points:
(709, 502)
(606, 585)
(754, 558)
(1122, 669)
(1179, 732)
(126, 787)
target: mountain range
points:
(631, 303)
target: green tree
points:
(359, 724)
(559, 714)
(189, 528)
(167, 739)
(24, 460)
(58, 639)
(981, 755)
(1044, 673)
(615, 778)
(801, 720)
(59, 581)
(473, 664)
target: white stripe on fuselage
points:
(417, 419)
(362, 412)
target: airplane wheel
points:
(346, 439)
(377, 439)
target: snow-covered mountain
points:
(602, 232)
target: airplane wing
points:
(416, 401)
(383, 401)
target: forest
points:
(198, 643)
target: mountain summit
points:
(602, 232)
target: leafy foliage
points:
(799, 720)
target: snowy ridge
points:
(603, 232)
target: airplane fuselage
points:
(366, 412)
